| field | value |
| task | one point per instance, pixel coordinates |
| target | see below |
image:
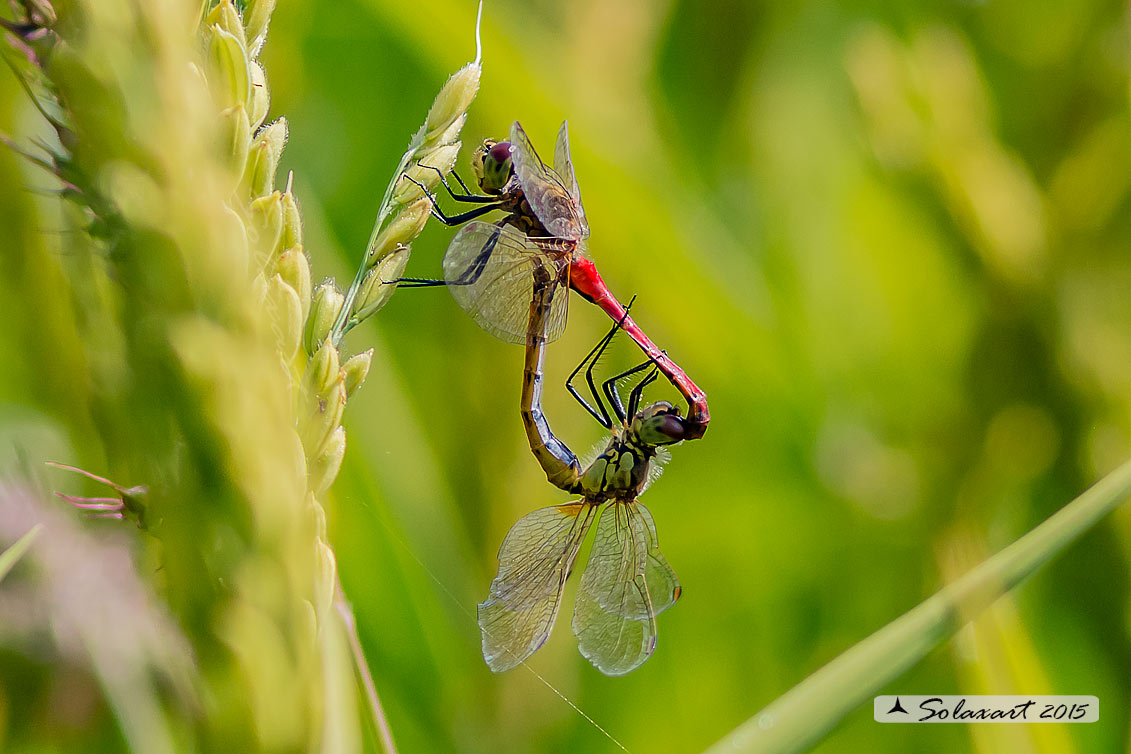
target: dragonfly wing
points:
(534, 561)
(544, 190)
(490, 271)
(563, 166)
(615, 615)
(663, 584)
(559, 306)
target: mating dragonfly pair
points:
(513, 276)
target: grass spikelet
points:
(433, 147)
(222, 383)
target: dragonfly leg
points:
(462, 185)
(601, 414)
(634, 396)
(466, 196)
(467, 277)
(416, 282)
(472, 273)
(613, 394)
(452, 219)
(591, 359)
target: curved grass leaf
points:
(12, 555)
(800, 717)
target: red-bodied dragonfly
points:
(488, 267)
(627, 582)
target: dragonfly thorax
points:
(622, 470)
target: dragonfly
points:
(627, 581)
(488, 267)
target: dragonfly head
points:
(659, 424)
(492, 165)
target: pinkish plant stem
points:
(92, 503)
(84, 472)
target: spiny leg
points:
(613, 394)
(453, 219)
(462, 185)
(638, 391)
(416, 282)
(467, 277)
(601, 414)
(466, 196)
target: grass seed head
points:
(259, 99)
(325, 467)
(225, 16)
(284, 311)
(265, 227)
(324, 414)
(226, 69)
(235, 133)
(324, 308)
(294, 268)
(401, 231)
(451, 103)
(257, 15)
(426, 171)
(292, 221)
(263, 159)
(379, 282)
(356, 369)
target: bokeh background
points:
(891, 242)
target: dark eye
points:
(674, 427)
(500, 153)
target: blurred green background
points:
(891, 243)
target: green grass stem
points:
(12, 555)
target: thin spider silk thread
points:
(468, 613)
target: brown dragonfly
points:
(489, 267)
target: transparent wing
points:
(544, 189)
(627, 582)
(490, 271)
(534, 561)
(663, 584)
(563, 166)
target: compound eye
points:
(496, 169)
(673, 426)
(500, 153)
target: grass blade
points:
(805, 713)
(12, 555)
